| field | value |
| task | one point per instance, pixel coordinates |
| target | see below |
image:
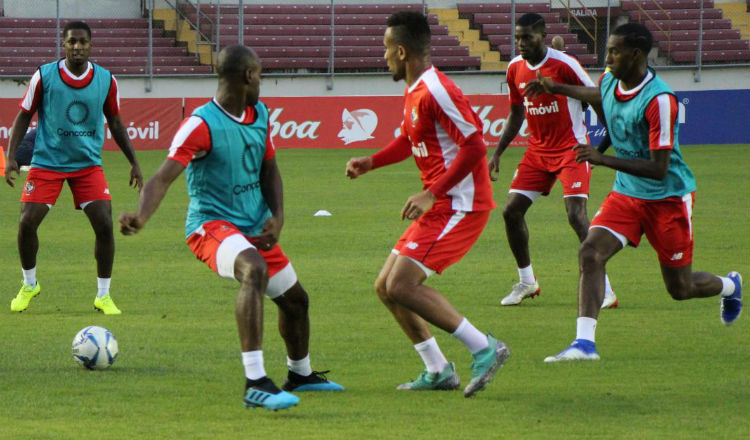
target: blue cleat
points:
(579, 350)
(263, 393)
(316, 381)
(731, 306)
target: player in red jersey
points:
(556, 126)
(444, 135)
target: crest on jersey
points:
(414, 116)
(357, 125)
(29, 187)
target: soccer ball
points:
(95, 348)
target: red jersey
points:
(555, 122)
(437, 121)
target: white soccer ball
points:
(95, 348)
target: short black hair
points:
(532, 19)
(76, 25)
(411, 30)
(635, 36)
(235, 59)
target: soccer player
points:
(234, 219)
(653, 192)
(70, 95)
(556, 125)
(444, 135)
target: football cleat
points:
(316, 381)
(263, 393)
(486, 363)
(22, 300)
(579, 350)
(520, 292)
(106, 305)
(444, 380)
(731, 306)
(610, 300)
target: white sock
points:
(472, 338)
(103, 285)
(727, 286)
(526, 275)
(586, 328)
(607, 286)
(433, 358)
(301, 367)
(253, 362)
(29, 276)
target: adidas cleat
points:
(486, 363)
(731, 306)
(316, 381)
(263, 393)
(22, 300)
(520, 292)
(427, 381)
(579, 350)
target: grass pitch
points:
(669, 369)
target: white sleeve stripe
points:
(183, 133)
(28, 99)
(665, 120)
(446, 104)
(117, 87)
(577, 69)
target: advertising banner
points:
(705, 117)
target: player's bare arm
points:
(510, 131)
(357, 166)
(271, 187)
(654, 168)
(120, 135)
(20, 125)
(544, 84)
(151, 196)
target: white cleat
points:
(579, 350)
(610, 300)
(521, 291)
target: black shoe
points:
(316, 381)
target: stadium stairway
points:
(461, 29)
(740, 16)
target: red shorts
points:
(217, 243)
(439, 239)
(44, 186)
(667, 223)
(538, 173)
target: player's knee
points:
(397, 289)
(380, 288)
(512, 214)
(294, 301)
(578, 220)
(589, 257)
(251, 272)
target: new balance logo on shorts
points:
(677, 256)
(412, 245)
(576, 185)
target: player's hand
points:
(417, 205)
(136, 177)
(494, 166)
(540, 85)
(269, 236)
(358, 166)
(587, 153)
(11, 166)
(130, 223)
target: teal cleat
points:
(427, 381)
(316, 381)
(263, 393)
(485, 365)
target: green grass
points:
(669, 370)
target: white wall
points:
(73, 8)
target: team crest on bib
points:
(414, 116)
(29, 187)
